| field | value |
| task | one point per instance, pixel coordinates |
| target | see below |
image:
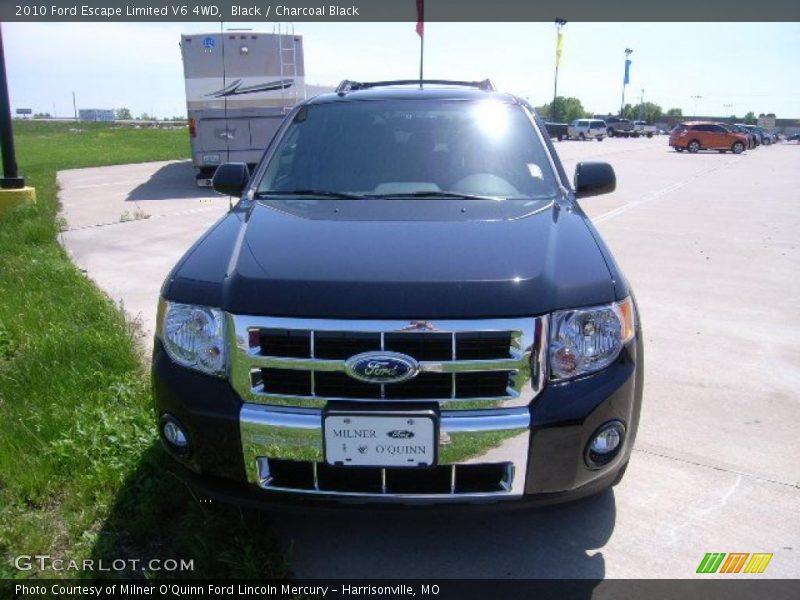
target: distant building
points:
(96, 114)
(767, 122)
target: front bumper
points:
(266, 454)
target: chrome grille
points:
(463, 364)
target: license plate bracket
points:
(403, 439)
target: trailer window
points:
(379, 148)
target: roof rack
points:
(351, 86)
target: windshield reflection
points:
(410, 149)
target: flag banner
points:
(420, 18)
(559, 47)
(627, 71)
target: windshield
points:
(410, 148)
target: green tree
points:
(651, 112)
(124, 114)
(627, 111)
(648, 112)
(45, 115)
(750, 118)
(567, 109)
(674, 112)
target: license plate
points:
(379, 440)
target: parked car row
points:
(598, 129)
(760, 135)
(694, 136)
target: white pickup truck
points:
(642, 128)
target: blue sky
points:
(734, 67)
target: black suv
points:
(407, 305)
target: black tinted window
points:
(386, 147)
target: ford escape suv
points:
(406, 305)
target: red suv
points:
(695, 136)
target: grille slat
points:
(285, 342)
(422, 346)
(344, 344)
(483, 345)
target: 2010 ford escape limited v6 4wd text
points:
(406, 305)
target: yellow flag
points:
(559, 47)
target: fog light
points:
(606, 441)
(174, 434)
(605, 444)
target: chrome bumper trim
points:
(474, 437)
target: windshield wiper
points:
(319, 193)
(435, 194)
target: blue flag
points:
(627, 71)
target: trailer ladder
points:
(287, 50)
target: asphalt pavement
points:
(710, 245)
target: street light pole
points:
(641, 107)
(729, 107)
(695, 98)
(554, 111)
(628, 52)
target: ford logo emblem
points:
(381, 367)
(400, 434)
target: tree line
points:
(569, 109)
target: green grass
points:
(81, 471)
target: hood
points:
(395, 260)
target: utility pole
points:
(559, 43)
(74, 106)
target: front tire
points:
(600, 138)
(737, 148)
(693, 147)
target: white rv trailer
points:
(239, 87)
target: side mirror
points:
(231, 178)
(593, 179)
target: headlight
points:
(585, 340)
(193, 336)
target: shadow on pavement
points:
(172, 181)
(156, 516)
(553, 542)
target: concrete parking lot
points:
(710, 244)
